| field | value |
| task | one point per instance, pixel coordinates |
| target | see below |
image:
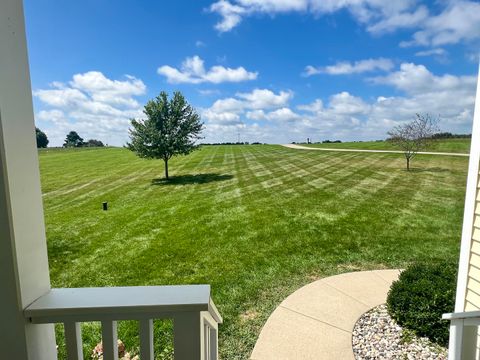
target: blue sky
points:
(271, 71)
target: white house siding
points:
(472, 298)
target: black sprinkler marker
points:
(105, 206)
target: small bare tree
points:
(414, 136)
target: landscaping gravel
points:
(377, 336)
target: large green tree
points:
(42, 140)
(73, 140)
(171, 128)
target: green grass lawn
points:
(446, 145)
(255, 222)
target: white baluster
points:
(146, 339)
(456, 340)
(73, 340)
(109, 340)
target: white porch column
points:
(23, 253)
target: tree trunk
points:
(166, 168)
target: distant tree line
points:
(448, 135)
(331, 142)
(93, 143)
(319, 142)
(235, 143)
(443, 135)
(74, 140)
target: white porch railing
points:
(195, 317)
(463, 342)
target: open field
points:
(446, 145)
(255, 222)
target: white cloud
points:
(256, 115)
(400, 20)
(432, 52)
(193, 71)
(263, 98)
(256, 99)
(228, 115)
(231, 15)
(275, 5)
(283, 114)
(102, 89)
(459, 21)
(344, 115)
(228, 104)
(275, 121)
(91, 104)
(451, 97)
(417, 79)
(370, 12)
(61, 97)
(347, 104)
(57, 117)
(346, 67)
(224, 118)
(315, 106)
(101, 108)
(363, 10)
(456, 21)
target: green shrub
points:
(420, 296)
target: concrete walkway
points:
(300, 147)
(316, 321)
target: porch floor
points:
(317, 320)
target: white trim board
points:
(469, 211)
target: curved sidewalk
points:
(317, 320)
(300, 147)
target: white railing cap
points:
(461, 315)
(88, 304)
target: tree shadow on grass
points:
(192, 179)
